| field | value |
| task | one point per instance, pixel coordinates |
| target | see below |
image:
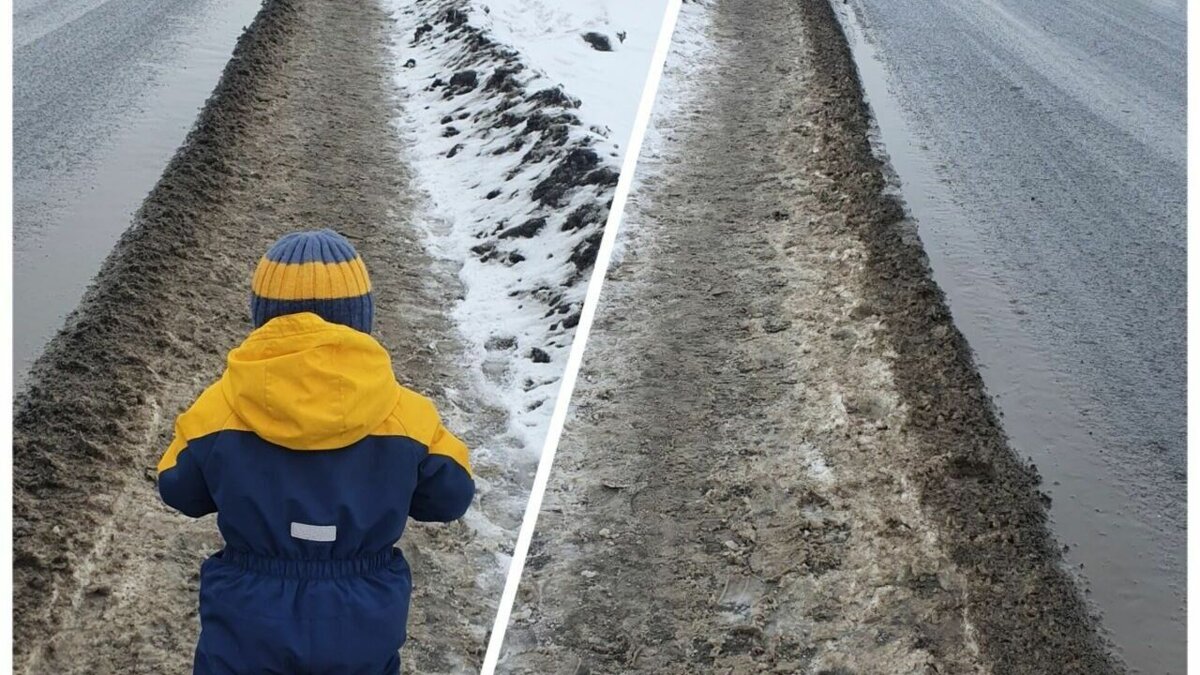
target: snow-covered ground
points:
(516, 127)
(547, 33)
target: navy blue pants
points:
(269, 615)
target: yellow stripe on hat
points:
(311, 280)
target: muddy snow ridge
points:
(520, 188)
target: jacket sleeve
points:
(445, 487)
(181, 481)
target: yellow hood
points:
(307, 384)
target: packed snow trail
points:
(298, 135)
(779, 458)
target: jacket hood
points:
(306, 384)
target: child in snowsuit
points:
(313, 458)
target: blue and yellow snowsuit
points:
(313, 458)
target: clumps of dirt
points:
(554, 96)
(598, 41)
(1027, 613)
(583, 256)
(578, 168)
(552, 159)
(462, 82)
(525, 230)
(504, 80)
(585, 215)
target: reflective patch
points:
(314, 532)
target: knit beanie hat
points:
(318, 272)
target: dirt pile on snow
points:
(516, 192)
(543, 179)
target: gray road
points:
(1041, 146)
(103, 93)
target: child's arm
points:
(180, 481)
(180, 477)
(445, 487)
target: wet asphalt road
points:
(104, 91)
(1041, 147)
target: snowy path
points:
(298, 135)
(779, 458)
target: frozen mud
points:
(297, 135)
(780, 457)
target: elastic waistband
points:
(310, 569)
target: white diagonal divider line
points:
(575, 359)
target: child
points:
(313, 458)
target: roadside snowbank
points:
(516, 128)
(549, 34)
(519, 174)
